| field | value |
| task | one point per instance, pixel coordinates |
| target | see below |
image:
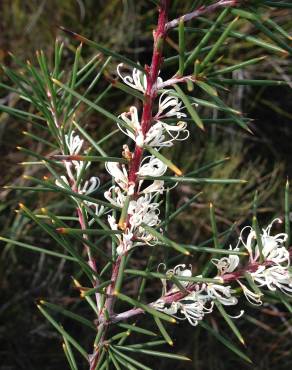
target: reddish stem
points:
(152, 73)
(147, 115)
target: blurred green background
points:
(263, 158)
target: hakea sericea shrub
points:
(129, 210)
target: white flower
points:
(226, 264)
(119, 173)
(74, 143)
(115, 196)
(112, 222)
(169, 106)
(134, 130)
(222, 293)
(154, 167)
(180, 270)
(274, 277)
(193, 307)
(156, 187)
(253, 255)
(273, 249)
(89, 186)
(252, 297)
(125, 243)
(145, 237)
(98, 210)
(125, 239)
(143, 211)
(163, 135)
(137, 80)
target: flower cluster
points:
(273, 272)
(198, 299)
(139, 198)
(74, 170)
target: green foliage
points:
(56, 99)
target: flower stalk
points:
(132, 208)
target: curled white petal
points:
(137, 80)
(252, 297)
(163, 135)
(74, 143)
(152, 166)
(90, 185)
(169, 106)
(226, 264)
(222, 293)
(119, 173)
(115, 196)
(274, 277)
(133, 127)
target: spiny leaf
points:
(63, 332)
(189, 107)
(234, 81)
(225, 341)
(258, 237)
(163, 331)
(181, 37)
(37, 249)
(195, 53)
(229, 322)
(88, 158)
(68, 313)
(71, 231)
(165, 240)
(154, 353)
(114, 360)
(129, 359)
(218, 44)
(209, 89)
(137, 329)
(194, 180)
(118, 283)
(69, 354)
(201, 249)
(237, 66)
(102, 49)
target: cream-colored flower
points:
(169, 106)
(226, 264)
(163, 135)
(74, 143)
(152, 166)
(119, 173)
(137, 80)
(222, 293)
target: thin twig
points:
(201, 11)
